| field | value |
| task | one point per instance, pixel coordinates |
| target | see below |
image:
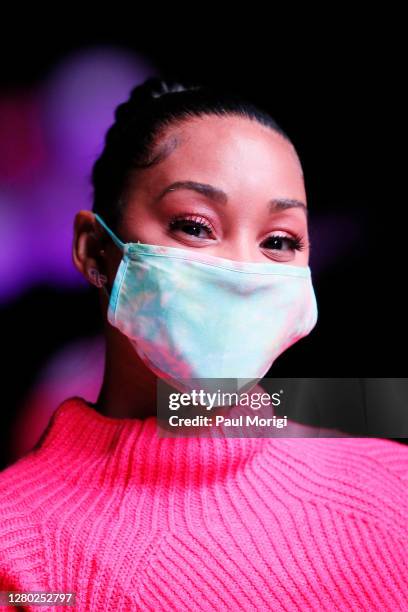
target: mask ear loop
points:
(115, 239)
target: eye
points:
(192, 225)
(284, 243)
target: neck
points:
(128, 388)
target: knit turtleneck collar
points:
(96, 450)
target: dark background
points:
(338, 96)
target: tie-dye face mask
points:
(191, 315)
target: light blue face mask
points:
(190, 315)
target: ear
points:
(88, 246)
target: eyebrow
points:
(220, 197)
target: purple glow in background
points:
(76, 369)
(50, 140)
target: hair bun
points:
(155, 87)
(152, 88)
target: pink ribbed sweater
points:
(129, 520)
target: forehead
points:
(231, 138)
(237, 154)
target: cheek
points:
(146, 225)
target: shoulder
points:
(381, 456)
(390, 454)
(20, 494)
(386, 456)
(25, 483)
(21, 549)
(363, 477)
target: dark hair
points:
(133, 141)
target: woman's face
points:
(228, 187)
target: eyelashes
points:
(193, 221)
(193, 225)
(296, 243)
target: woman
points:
(198, 244)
